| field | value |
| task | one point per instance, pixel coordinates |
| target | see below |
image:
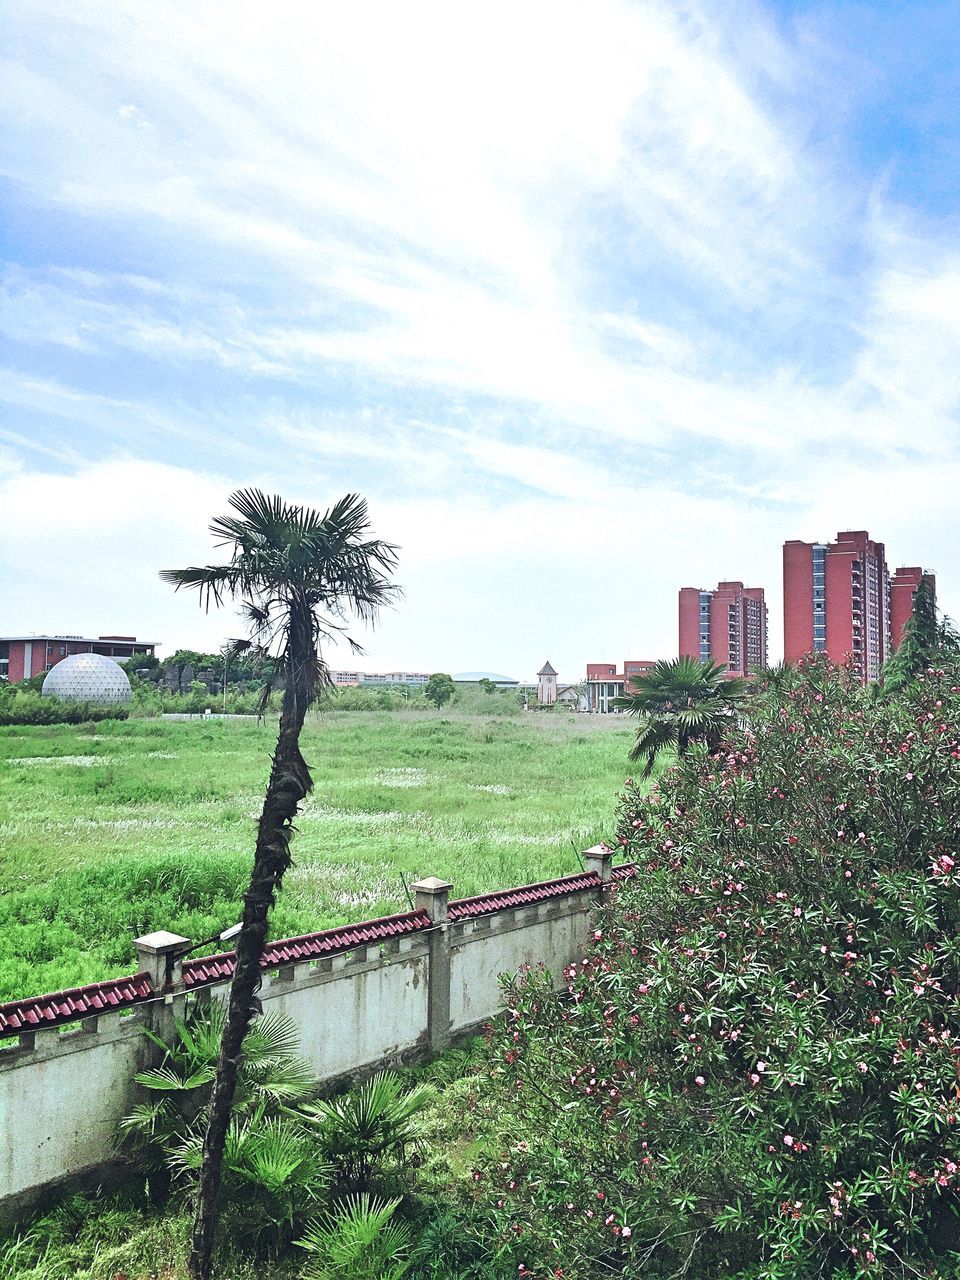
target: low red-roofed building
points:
(24, 656)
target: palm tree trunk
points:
(289, 784)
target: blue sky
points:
(591, 302)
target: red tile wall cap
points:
(485, 903)
(310, 946)
(66, 1006)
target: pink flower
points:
(787, 1140)
(626, 1233)
(699, 1080)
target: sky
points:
(589, 301)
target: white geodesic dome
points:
(87, 677)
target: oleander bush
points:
(754, 1070)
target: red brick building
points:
(839, 599)
(24, 656)
(903, 587)
(605, 682)
(728, 625)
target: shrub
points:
(754, 1068)
(360, 1240)
(164, 1133)
(273, 1176)
(27, 706)
(372, 1123)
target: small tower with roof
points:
(547, 686)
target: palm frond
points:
(285, 556)
(358, 1238)
(167, 1078)
(655, 734)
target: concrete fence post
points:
(599, 859)
(160, 955)
(433, 896)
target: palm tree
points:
(299, 576)
(773, 678)
(680, 702)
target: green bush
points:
(273, 1172)
(753, 1070)
(27, 706)
(373, 698)
(359, 1239)
(376, 1121)
(273, 1177)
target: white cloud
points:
(576, 295)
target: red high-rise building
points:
(728, 625)
(903, 587)
(837, 601)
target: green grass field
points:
(111, 830)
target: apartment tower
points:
(903, 587)
(728, 625)
(836, 600)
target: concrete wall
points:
(550, 933)
(62, 1096)
(64, 1089)
(367, 1009)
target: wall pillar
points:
(432, 896)
(160, 955)
(599, 859)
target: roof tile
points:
(310, 946)
(65, 1006)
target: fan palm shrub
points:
(359, 1239)
(274, 1176)
(299, 577)
(271, 1079)
(680, 702)
(374, 1122)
